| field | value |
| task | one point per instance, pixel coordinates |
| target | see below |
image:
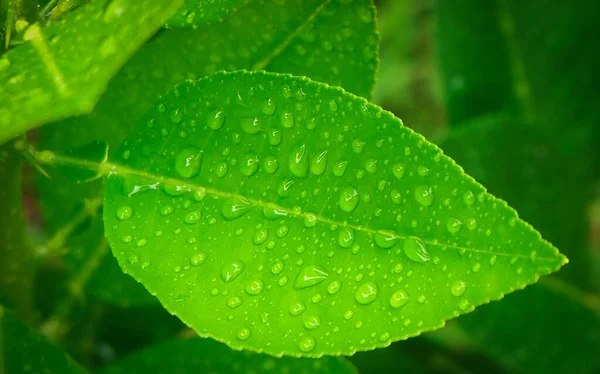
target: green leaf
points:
(296, 26)
(63, 69)
(198, 355)
(16, 256)
(94, 152)
(24, 351)
(312, 212)
(200, 12)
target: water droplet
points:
(133, 259)
(188, 162)
(285, 188)
(493, 260)
(340, 168)
(192, 217)
(453, 225)
(165, 211)
(476, 267)
(249, 164)
(469, 198)
(244, 334)
(424, 195)
(200, 194)
(423, 170)
(458, 288)
(396, 197)
(287, 119)
(297, 308)
(251, 125)
(142, 242)
(260, 236)
(371, 165)
(366, 293)
(310, 220)
(348, 199)
(282, 231)
(198, 259)
(463, 304)
(124, 213)
(312, 322)
(299, 161)
(254, 287)
(234, 301)
(398, 170)
(268, 107)
(222, 169)
(319, 163)
(307, 344)
(274, 137)
(416, 250)
(233, 209)
(346, 237)
(282, 281)
(334, 287)
(310, 276)
(271, 213)
(358, 146)
(471, 224)
(399, 299)
(270, 164)
(215, 120)
(386, 239)
(277, 268)
(175, 116)
(231, 271)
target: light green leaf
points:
(16, 256)
(280, 204)
(200, 12)
(198, 355)
(296, 26)
(24, 351)
(63, 69)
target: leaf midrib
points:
(108, 169)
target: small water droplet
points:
(398, 170)
(277, 268)
(471, 224)
(282, 231)
(249, 164)
(124, 213)
(346, 237)
(175, 116)
(371, 165)
(307, 344)
(340, 168)
(399, 299)
(416, 250)
(285, 188)
(215, 119)
(312, 322)
(453, 225)
(254, 287)
(309, 276)
(287, 119)
(231, 271)
(188, 162)
(268, 107)
(222, 169)
(299, 161)
(358, 146)
(366, 293)
(200, 194)
(270, 164)
(469, 198)
(463, 304)
(297, 308)
(260, 236)
(348, 199)
(133, 259)
(334, 287)
(423, 170)
(274, 137)
(198, 259)
(310, 220)
(458, 288)
(233, 209)
(319, 163)
(244, 333)
(386, 239)
(234, 302)
(192, 217)
(251, 125)
(424, 195)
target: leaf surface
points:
(301, 27)
(207, 356)
(255, 203)
(63, 69)
(23, 350)
(200, 12)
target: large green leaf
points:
(16, 256)
(63, 69)
(24, 351)
(256, 203)
(300, 40)
(207, 356)
(199, 12)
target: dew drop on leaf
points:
(385, 239)
(251, 125)
(260, 236)
(346, 237)
(254, 287)
(287, 119)
(416, 250)
(340, 168)
(231, 271)
(124, 213)
(215, 119)
(398, 170)
(399, 299)
(312, 322)
(458, 288)
(319, 163)
(299, 161)
(244, 333)
(192, 217)
(234, 302)
(307, 344)
(424, 195)
(198, 259)
(334, 287)
(366, 293)
(274, 137)
(249, 164)
(348, 199)
(297, 308)
(188, 162)
(453, 225)
(233, 209)
(309, 276)
(270, 164)
(268, 107)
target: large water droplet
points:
(285, 188)
(309, 276)
(222, 169)
(386, 239)
(124, 213)
(192, 217)
(424, 195)
(458, 288)
(398, 170)
(249, 164)
(234, 301)
(231, 271)
(453, 225)
(358, 146)
(340, 168)
(348, 199)
(260, 236)
(469, 198)
(274, 137)
(188, 162)
(334, 287)
(399, 299)
(312, 322)
(307, 344)
(371, 165)
(270, 164)
(299, 161)
(200, 194)
(198, 259)
(277, 268)
(346, 237)
(416, 250)
(319, 163)
(215, 119)
(251, 125)
(297, 308)
(287, 119)
(244, 334)
(233, 209)
(254, 287)
(366, 293)
(268, 107)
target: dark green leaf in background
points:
(63, 69)
(253, 204)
